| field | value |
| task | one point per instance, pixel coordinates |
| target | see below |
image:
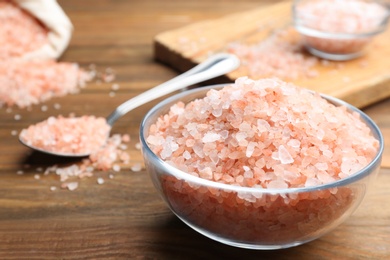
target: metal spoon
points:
(216, 65)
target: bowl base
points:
(243, 244)
(333, 56)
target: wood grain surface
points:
(125, 218)
(360, 82)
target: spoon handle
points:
(214, 66)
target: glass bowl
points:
(255, 218)
(339, 30)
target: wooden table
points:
(124, 218)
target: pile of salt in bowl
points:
(23, 82)
(341, 17)
(264, 134)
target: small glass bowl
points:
(344, 41)
(255, 218)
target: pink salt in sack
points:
(60, 28)
(29, 73)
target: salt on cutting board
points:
(360, 82)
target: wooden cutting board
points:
(361, 82)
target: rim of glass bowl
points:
(200, 181)
(300, 27)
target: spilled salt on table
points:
(26, 83)
(280, 55)
(267, 134)
(100, 180)
(79, 135)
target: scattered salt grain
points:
(100, 180)
(136, 167)
(57, 106)
(14, 132)
(72, 185)
(53, 188)
(17, 117)
(44, 108)
(115, 86)
(20, 172)
(37, 176)
(126, 138)
(116, 168)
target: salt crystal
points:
(100, 180)
(53, 188)
(321, 166)
(116, 168)
(186, 155)
(310, 182)
(14, 132)
(20, 172)
(250, 149)
(210, 137)
(72, 185)
(136, 167)
(44, 108)
(17, 117)
(115, 86)
(284, 156)
(277, 184)
(294, 143)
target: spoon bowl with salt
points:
(80, 136)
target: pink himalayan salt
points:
(345, 17)
(26, 83)
(20, 32)
(318, 141)
(276, 56)
(259, 219)
(72, 135)
(107, 157)
(288, 130)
